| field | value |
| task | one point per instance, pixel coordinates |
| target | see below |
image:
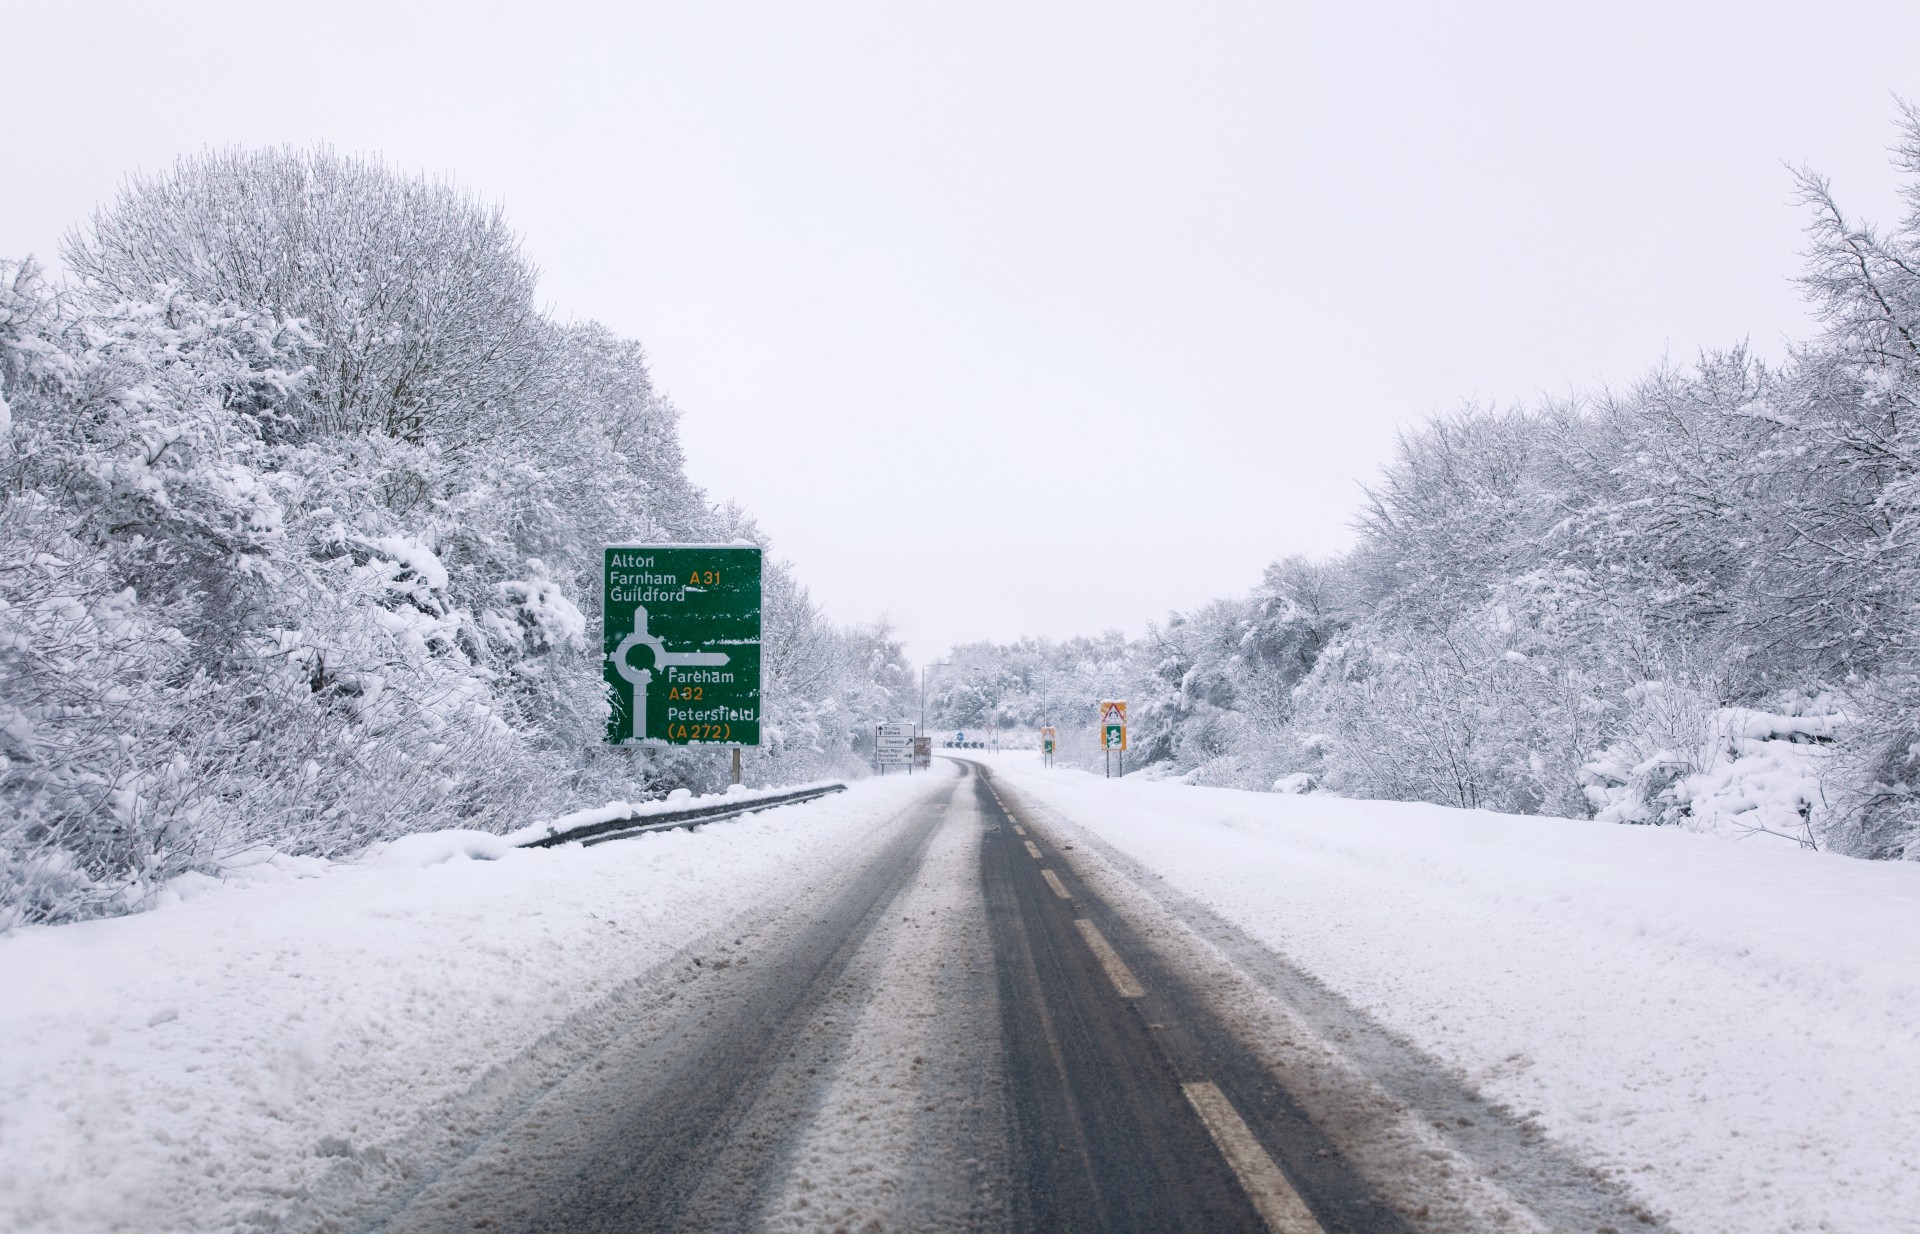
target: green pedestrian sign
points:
(680, 628)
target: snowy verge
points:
(252, 867)
(1731, 1029)
(197, 1067)
(676, 802)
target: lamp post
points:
(923, 690)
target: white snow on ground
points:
(179, 1069)
(863, 1163)
(679, 799)
(1730, 1028)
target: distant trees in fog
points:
(303, 502)
(1692, 602)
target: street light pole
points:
(923, 690)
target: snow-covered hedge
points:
(301, 508)
(1692, 602)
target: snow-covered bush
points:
(1694, 601)
(1732, 770)
(301, 511)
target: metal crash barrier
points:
(668, 820)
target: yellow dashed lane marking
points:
(1053, 881)
(1279, 1205)
(1032, 850)
(1019, 830)
(1117, 970)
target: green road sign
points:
(1113, 736)
(681, 634)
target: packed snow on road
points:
(1726, 1029)
(1729, 1027)
(205, 1064)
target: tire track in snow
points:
(911, 1131)
(1445, 1158)
(679, 1122)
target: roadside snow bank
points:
(185, 1068)
(1730, 1028)
(430, 848)
(679, 799)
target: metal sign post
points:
(680, 632)
(1113, 734)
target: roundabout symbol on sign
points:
(641, 678)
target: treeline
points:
(1693, 602)
(300, 538)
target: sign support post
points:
(1113, 734)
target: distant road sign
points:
(680, 632)
(1113, 712)
(893, 744)
(1113, 736)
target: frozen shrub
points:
(1689, 602)
(301, 511)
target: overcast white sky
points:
(1029, 318)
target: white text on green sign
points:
(681, 636)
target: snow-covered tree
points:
(300, 538)
(1690, 601)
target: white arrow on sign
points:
(641, 678)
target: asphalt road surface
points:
(990, 1025)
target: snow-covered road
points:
(898, 1008)
(1731, 1029)
(227, 1060)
